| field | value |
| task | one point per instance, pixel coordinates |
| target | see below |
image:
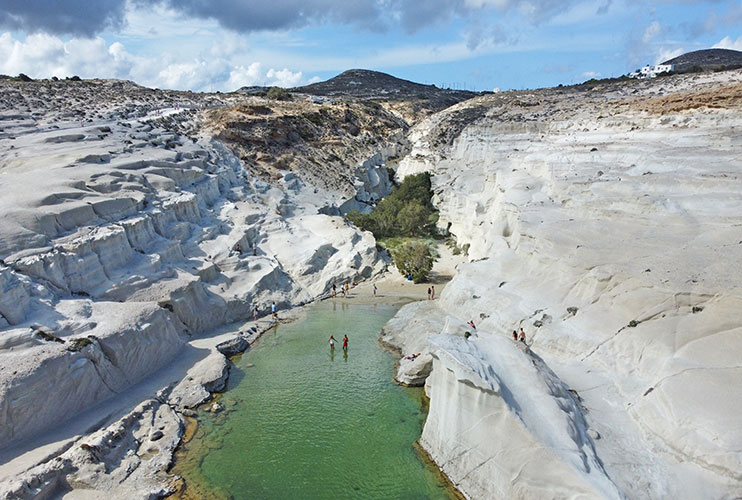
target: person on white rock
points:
(273, 311)
(522, 337)
(515, 336)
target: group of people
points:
(345, 342)
(345, 289)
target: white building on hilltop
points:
(652, 71)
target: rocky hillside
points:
(707, 60)
(604, 221)
(409, 99)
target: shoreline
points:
(38, 458)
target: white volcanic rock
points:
(491, 385)
(125, 233)
(606, 224)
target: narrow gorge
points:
(604, 220)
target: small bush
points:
(414, 258)
(278, 94)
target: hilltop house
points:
(652, 71)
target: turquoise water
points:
(303, 422)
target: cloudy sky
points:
(475, 44)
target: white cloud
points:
(667, 54)
(651, 32)
(44, 56)
(728, 43)
(591, 74)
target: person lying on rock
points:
(471, 324)
(412, 357)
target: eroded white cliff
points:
(606, 224)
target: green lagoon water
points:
(304, 423)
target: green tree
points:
(414, 258)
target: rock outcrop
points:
(604, 221)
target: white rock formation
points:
(121, 240)
(607, 225)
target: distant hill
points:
(411, 100)
(365, 83)
(708, 59)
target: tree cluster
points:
(407, 212)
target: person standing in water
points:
(332, 342)
(334, 290)
(345, 343)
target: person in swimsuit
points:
(515, 336)
(345, 343)
(332, 342)
(522, 337)
(374, 289)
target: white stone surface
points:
(606, 224)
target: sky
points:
(204, 45)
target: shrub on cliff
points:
(414, 258)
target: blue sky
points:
(473, 44)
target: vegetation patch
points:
(75, 345)
(405, 224)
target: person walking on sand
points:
(273, 311)
(432, 292)
(347, 288)
(428, 293)
(374, 289)
(345, 342)
(332, 342)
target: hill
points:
(708, 59)
(411, 100)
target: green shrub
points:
(278, 94)
(414, 258)
(408, 211)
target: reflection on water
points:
(298, 425)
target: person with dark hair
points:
(515, 336)
(522, 336)
(345, 342)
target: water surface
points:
(303, 422)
